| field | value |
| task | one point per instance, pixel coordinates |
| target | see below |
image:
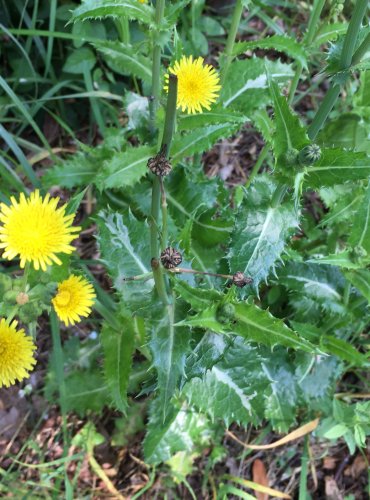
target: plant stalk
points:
(156, 65)
(345, 61)
(237, 14)
(361, 51)
(278, 195)
(262, 156)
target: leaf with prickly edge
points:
(260, 232)
(183, 430)
(247, 85)
(251, 323)
(342, 259)
(337, 166)
(126, 254)
(124, 169)
(98, 9)
(209, 351)
(200, 140)
(125, 59)
(277, 42)
(329, 344)
(233, 390)
(360, 234)
(79, 170)
(170, 344)
(289, 132)
(118, 347)
(360, 279)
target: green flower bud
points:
(225, 313)
(309, 154)
(357, 254)
(291, 157)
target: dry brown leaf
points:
(356, 468)
(329, 463)
(332, 491)
(259, 474)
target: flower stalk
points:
(156, 65)
(237, 14)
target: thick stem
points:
(237, 14)
(352, 33)
(262, 156)
(123, 28)
(304, 472)
(278, 195)
(345, 61)
(361, 51)
(156, 65)
(164, 237)
(169, 124)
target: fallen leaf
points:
(260, 476)
(356, 468)
(332, 491)
(329, 463)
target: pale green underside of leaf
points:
(361, 280)
(260, 231)
(125, 59)
(247, 85)
(124, 169)
(337, 166)
(277, 42)
(98, 9)
(118, 347)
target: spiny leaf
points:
(198, 298)
(342, 259)
(118, 347)
(125, 59)
(360, 234)
(97, 9)
(126, 254)
(260, 231)
(125, 169)
(276, 42)
(337, 166)
(79, 170)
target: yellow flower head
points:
(16, 354)
(74, 299)
(36, 230)
(198, 84)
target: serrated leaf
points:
(125, 169)
(169, 344)
(125, 59)
(209, 351)
(337, 166)
(200, 140)
(198, 298)
(118, 347)
(342, 259)
(277, 42)
(361, 280)
(78, 170)
(260, 231)
(97, 9)
(253, 324)
(247, 85)
(126, 253)
(289, 132)
(360, 234)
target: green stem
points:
(10, 316)
(237, 14)
(262, 156)
(94, 103)
(323, 111)
(352, 33)
(170, 120)
(304, 472)
(361, 51)
(156, 65)
(26, 272)
(123, 28)
(345, 61)
(164, 237)
(295, 81)
(278, 195)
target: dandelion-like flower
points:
(36, 230)
(16, 354)
(74, 299)
(198, 84)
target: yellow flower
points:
(36, 230)
(74, 299)
(16, 354)
(198, 84)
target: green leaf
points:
(217, 115)
(342, 259)
(200, 140)
(247, 86)
(289, 132)
(125, 169)
(337, 166)
(253, 324)
(169, 344)
(125, 59)
(260, 231)
(209, 351)
(80, 170)
(347, 131)
(97, 9)
(360, 234)
(198, 298)
(118, 347)
(336, 432)
(361, 280)
(126, 253)
(280, 43)
(79, 61)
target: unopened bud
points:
(22, 298)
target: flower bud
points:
(22, 298)
(309, 154)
